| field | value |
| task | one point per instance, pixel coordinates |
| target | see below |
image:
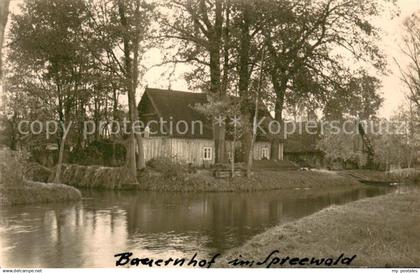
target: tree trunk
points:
(275, 142)
(4, 13)
(61, 154)
(255, 120)
(114, 128)
(233, 151)
(254, 135)
(280, 90)
(131, 75)
(131, 155)
(134, 83)
(215, 80)
(244, 48)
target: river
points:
(88, 233)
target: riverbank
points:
(203, 181)
(382, 231)
(37, 192)
(162, 175)
(401, 176)
(16, 189)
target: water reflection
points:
(88, 233)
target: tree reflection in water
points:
(88, 233)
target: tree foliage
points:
(72, 61)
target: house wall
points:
(191, 150)
(186, 150)
(156, 147)
(258, 147)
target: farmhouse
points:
(176, 129)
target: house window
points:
(207, 153)
(264, 154)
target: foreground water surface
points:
(88, 233)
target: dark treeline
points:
(74, 61)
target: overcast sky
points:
(392, 90)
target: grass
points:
(165, 176)
(37, 192)
(203, 181)
(382, 232)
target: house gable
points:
(178, 107)
(175, 108)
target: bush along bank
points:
(203, 181)
(183, 178)
(15, 189)
(166, 175)
(177, 177)
(38, 192)
(97, 177)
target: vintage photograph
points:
(209, 134)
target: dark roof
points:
(175, 106)
(178, 104)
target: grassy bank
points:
(399, 176)
(164, 176)
(16, 189)
(382, 232)
(98, 177)
(260, 180)
(37, 192)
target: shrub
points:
(11, 169)
(36, 172)
(37, 192)
(170, 168)
(94, 176)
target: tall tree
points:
(248, 51)
(359, 98)
(120, 28)
(47, 58)
(202, 33)
(131, 49)
(410, 75)
(4, 14)
(310, 37)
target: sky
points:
(393, 91)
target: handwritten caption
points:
(273, 259)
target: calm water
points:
(88, 233)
